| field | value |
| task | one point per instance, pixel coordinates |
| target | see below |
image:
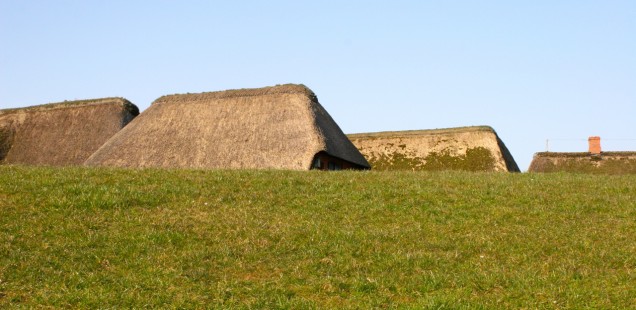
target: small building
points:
(593, 161)
(60, 134)
(279, 127)
(476, 148)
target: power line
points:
(547, 141)
(602, 139)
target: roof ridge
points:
(236, 93)
(72, 103)
(423, 131)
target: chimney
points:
(595, 145)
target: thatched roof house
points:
(279, 127)
(475, 148)
(593, 161)
(64, 133)
(583, 162)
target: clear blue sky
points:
(533, 70)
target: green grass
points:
(114, 238)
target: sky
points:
(545, 74)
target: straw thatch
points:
(583, 162)
(476, 148)
(279, 127)
(64, 133)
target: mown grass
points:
(114, 238)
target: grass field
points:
(114, 238)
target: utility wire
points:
(547, 141)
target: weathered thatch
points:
(64, 133)
(583, 162)
(279, 127)
(475, 148)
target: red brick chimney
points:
(595, 145)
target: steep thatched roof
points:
(64, 133)
(583, 162)
(475, 148)
(280, 127)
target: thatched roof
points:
(64, 133)
(476, 148)
(279, 127)
(584, 162)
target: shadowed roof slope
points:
(64, 133)
(475, 148)
(280, 127)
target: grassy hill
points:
(87, 238)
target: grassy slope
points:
(77, 237)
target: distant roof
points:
(584, 162)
